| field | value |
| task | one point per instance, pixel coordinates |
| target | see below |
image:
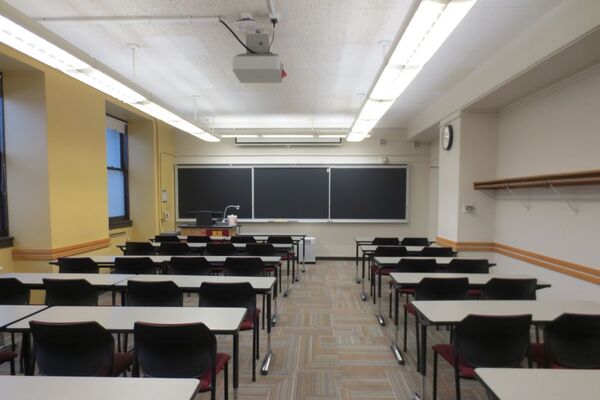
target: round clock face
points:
(447, 137)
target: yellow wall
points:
(166, 159)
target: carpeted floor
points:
(328, 345)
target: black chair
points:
(13, 292)
(8, 356)
(219, 249)
(435, 289)
(415, 241)
(199, 239)
(154, 294)
(166, 238)
(385, 251)
(191, 353)
(139, 249)
(570, 341)
(189, 266)
(484, 341)
(243, 266)
(235, 295)
(70, 292)
(76, 349)
(174, 249)
(261, 249)
(135, 266)
(385, 241)
(437, 252)
(423, 265)
(466, 266)
(509, 289)
(77, 265)
(243, 239)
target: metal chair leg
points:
(435, 371)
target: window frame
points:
(121, 220)
(5, 239)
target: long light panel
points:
(29, 43)
(428, 29)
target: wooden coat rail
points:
(566, 179)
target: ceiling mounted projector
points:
(258, 68)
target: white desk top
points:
(161, 259)
(96, 388)
(541, 384)
(35, 279)
(451, 312)
(194, 245)
(10, 314)
(372, 247)
(413, 278)
(365, 239)
(396, 260)
(122, 319)
(258, 236)
(194, 281)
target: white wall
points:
(434, 166)
(448, 191)
(333, 239)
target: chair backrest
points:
(261, 249)
(174, 248)
(13, 292)
(154, 294)
(437, 252)
(385, 241)
(72, 349)
(166, 238)
(199, 239)
(77, 265)
(390, 251)
(423, 265)
(509, 289)
(70, 292)
(415, 241)
(243, 239)
(280, 239)
(219, 249)
(243, 266)
(189, 266)
(573, 341)
(465, 266)
(442, 289)
(191, 349)
(228, 295)
(492, 341)
(139, 249)
(135, 265)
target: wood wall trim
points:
(52, 254)
(588, 274)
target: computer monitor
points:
(203, 218)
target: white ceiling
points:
(329, 49)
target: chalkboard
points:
(376, 193)
(291, 192)
(212, 189)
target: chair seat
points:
(382, 271)
(447, 352)
(474, 292)
(248, 323)
(205, 378)
(538, 355)
(7, 356)
(121, 362)
(410, 308)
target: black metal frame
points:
(122, 220)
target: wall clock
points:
(447, 137)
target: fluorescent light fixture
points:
(29, 43)
(238, 136)
(287, 136)
(428, 29)
(332, 136)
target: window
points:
(116, 160)
(5, 241)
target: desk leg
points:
(356, 277)
(304, 254)
(297, 260)
(363, 294)
(27, 355)
(274, 319)
(236, 364)
(267, 360)
(287, 279)
(423, 363)
(394, 347)
(380, 317)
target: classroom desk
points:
(222, 321)
(10, 314)
(109, 261)
(412, 279)
(218, 230)
(192, 283)
(546, 384)
(436, 313)
(96, 388)
(34, 280)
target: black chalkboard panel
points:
(213, 189)
(291, 193)
(368, 193)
